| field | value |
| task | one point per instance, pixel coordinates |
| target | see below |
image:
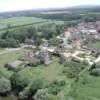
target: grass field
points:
(50, 72)
(97, 44)
(89, 91)
(2, 49)
(18, 22)
(9, 57)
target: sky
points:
(14, 5)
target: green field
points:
(9, 57)
(20, 22)
(52, 72)
(49, 73)
(89, 91)
(16, 21)
(97, 44)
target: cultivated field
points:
(22, 21)
(18, 22)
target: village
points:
(75, 46)
(50, 50)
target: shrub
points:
(24, 94)
(9, 43)
(18, 82)
(85, 62)
(95, 72)
(72, 69)
(31, 89)
(37, 84)
(5, 86)
(56, 86)
(59, 82)
(43, 94)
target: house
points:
(98, 26)
(92, 31)
(14, 65)
(45, 57)
(67, 34)
(66, 56)
(29, 44)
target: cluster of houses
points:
(71, 48)
(90, 28)
(74, 43)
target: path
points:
(8, 50)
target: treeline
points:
(9, 43)
(12, 38)
(60, 16)
(9, 26)
(71, 16)
(83, 9)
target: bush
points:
(85, 62)
(56, 86)
(72, 69)
(32, 88)
(37, 84)
(18, 82)
(5, 86)
(9, 43)
(59, 82)
(24, 94)
(43, 94)
(95, 72)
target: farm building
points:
(45, 57)
(66, 56)
(30, 59)
(14, 65)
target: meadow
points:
(52, 72)
(16, 21)
(97, 44)
(9, 57)
(89, 91)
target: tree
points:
(42, 94)
(8, 26)
(95, 72)
(72, 69)
(32, 88)
(5, 86)
(37, 84)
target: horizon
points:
(20, 5)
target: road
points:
(8, 50)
